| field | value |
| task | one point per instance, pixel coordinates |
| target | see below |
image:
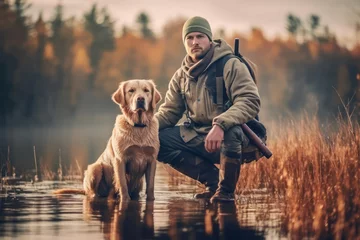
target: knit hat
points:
(196, 24)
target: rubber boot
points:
(229, 175)
(204, 172)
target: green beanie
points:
(196, 24)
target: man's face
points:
(197, 44)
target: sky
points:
(233, 15)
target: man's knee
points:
(234, 140)
(167, 136)
(168, 141)
(168, 155)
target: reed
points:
(316, 174)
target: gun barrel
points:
(236, 47)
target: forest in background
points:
(60, 72)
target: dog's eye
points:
(146, 90)
(131, 90)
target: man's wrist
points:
(215, 124)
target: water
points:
(32, 211)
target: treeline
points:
(49, 66)
(57, 75)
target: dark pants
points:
(192, 159)
(173, 148)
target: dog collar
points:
(140, 125)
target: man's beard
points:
(200, 56)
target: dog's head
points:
(137, 97)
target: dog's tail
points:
(69, 191)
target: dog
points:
(132, 149)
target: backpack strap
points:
(221, 95)
(222, 98)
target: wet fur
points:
(131, 151)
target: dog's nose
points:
(141, 99)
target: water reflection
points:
(176, 220)
(32, 211)
(124, 220)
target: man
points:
(209, 136)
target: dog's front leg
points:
(150, 180)
(120, 180)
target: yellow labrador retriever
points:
(132, 149)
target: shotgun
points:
(249, 133)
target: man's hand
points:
(214, 138)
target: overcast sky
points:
(239, 15)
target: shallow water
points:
(31, 211)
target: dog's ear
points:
(156, 96)
(119, 95)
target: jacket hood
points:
(221, 49)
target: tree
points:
(174, 51)
(314, 24)
(101, 27)
(37, 87)
(56, 23)
(62, 40)
(8, 65)
(143, 20)
(293, 25)
(20, 7)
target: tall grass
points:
(316, 173)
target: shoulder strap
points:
(221, 95)
(220, 64)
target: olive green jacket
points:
(240, 88)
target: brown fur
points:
(131, 151)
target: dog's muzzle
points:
(140, 103)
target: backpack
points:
(250, 153)
(220, 96)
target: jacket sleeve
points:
(171, 111)
(242, 92)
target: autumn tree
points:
(174, 50)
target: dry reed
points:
(315, 172)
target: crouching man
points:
(210, 134)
